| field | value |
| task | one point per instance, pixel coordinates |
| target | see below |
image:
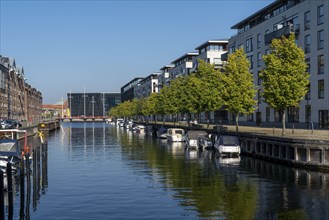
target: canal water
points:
(95, 170)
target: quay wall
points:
(306, 152)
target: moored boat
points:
(175, 134)
(227, 145)
(192, 136)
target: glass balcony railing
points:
(284, 31)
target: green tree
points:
(209, 88)
(238, 87)
(150, 105)
(285, 80)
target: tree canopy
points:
(284, 79)
(238, 87)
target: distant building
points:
(147, 86)
(91, 104)
(211, 52)
(182, 65)
(18, 99)
(128, 90)
(310, 22)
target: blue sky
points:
(102, 45)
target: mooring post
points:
(22, 189)
(2, 196)
(10, 189)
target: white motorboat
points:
(192, 136)
(227, 145)
(9, 150)
(175, 135)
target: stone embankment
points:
(298, 147)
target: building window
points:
(250, 117)
(249, 46)
(231, 49)
(308, 113)
(251, 62)
(277, 116)
(323, 118)
(259, 80)
(320, 15)
(259, 59)
(293, 114)
(268, 114)
(307, 43)
(259, 40)
(321, 89)
(320, 39)
(308, 94)
(259, 96)
(320, 64)
(308, 63)
(307, 20)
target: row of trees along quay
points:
(285, 83)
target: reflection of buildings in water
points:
(293, 189)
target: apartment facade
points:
(309, 21)
(128, 90)
(147, 86)
(211, 52)
(19, 100)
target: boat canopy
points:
(228, 140)
(9, 147)
(193, 134)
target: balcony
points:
(283, 31)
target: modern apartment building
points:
(182, 65)
(211, 51)
(128, 90)
(310, 22)
(19, 100)
(147, 86)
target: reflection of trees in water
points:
(250, 189)
(198, 184)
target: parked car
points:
(10, 124)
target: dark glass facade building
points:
(92, 104)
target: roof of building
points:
(195, 53)
(167, 66)
(219, 41)
(136, 79)
(258, 13)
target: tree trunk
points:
(237, 122)
(283, 123)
